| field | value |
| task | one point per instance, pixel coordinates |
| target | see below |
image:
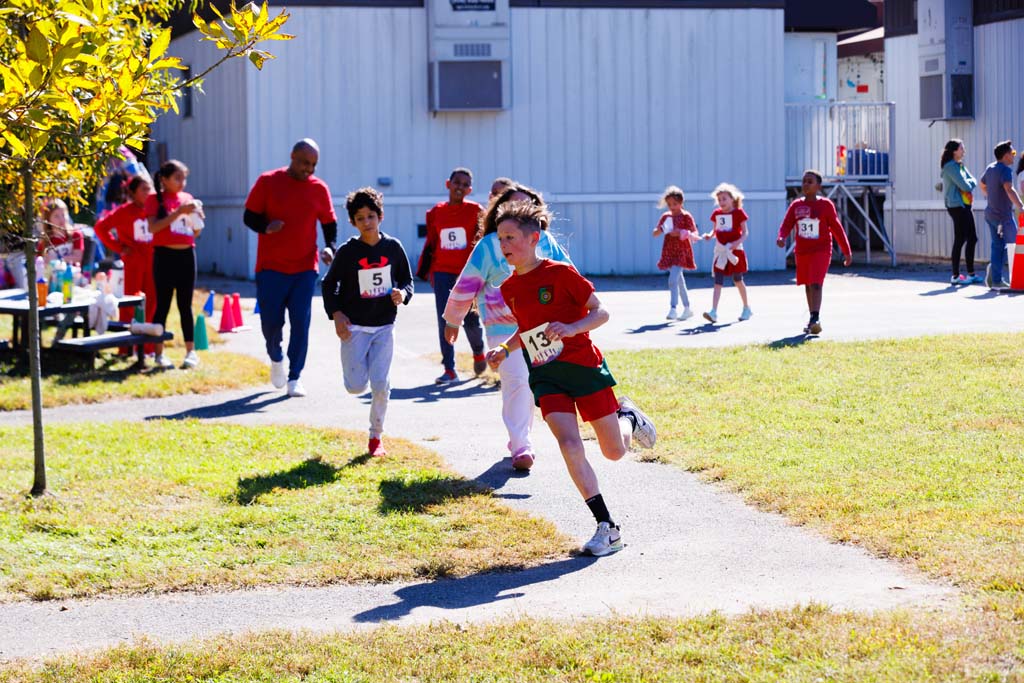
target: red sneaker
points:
(479, 364)
(376, 448)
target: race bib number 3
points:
(181, 227)
(808, 228)
(453, 238)
(723, 222)
(375, 282)
(538, 347)
(141, 231)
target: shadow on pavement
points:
(705, 328)
(239, 406)
(429, 393)
(477, 589)
(936, 292)
(498, 474)
(649, 328)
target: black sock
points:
(599, 509)
(814, 316)
(629, 416)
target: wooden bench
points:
(120, 336)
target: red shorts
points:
(591, 407)
(811, 268)
(737, 268)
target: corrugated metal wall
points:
(213, 144)
(922, 226)
(608, 107)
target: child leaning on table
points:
(555, 308)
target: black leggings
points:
(964, 235)
(174, 270)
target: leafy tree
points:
(79, 79)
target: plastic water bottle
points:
(67, 284)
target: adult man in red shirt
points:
(283, 207)
(451, 234)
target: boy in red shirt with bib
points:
(817, 224)
(451, 228)
(556, 308)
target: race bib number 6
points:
(453, 238)
(375, 282)
(807, 228)
(538, 347)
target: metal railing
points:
(845, 141)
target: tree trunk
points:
(34, 366)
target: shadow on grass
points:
(477, 589)
(238, 406)
(401, 496)
(787, 342)
(309, 473)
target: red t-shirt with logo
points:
(180, 231)
(131, 226)
(816, 223)
(451, 229)
(552, 292)
(300, 204)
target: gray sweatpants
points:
(366, 359)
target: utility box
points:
(469, 55)
(945, 33)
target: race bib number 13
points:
(807, 228)
(375, 282)
(538, 347)
(453, 238)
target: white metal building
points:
(921, 226)
(608, 102)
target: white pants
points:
(366, 359)
(516, 398)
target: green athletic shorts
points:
(559, 377)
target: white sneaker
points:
(162, 361)
(746, 313)
(278, 375)
(672, 315)
(295, 388)
(686, 314)
(605, 541)
(711, 316)
(191, 360)
(644, 432)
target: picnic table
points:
(73, 316)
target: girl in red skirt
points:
(730, 221)
(676, 252)
(817, 224)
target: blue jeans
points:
(999, 242)
(276, 293)
(443, 283)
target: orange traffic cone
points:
(236, 307)
(227, 316)
(1017, 264)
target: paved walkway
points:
(691, 547)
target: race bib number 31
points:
(538, 347)
(453, 238)
(808, 228)
(375, 282)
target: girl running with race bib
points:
(730, 260)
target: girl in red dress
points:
(676, 252)
(730, 230)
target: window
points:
(900, 18)
(989, 11)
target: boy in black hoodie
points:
(369, 277)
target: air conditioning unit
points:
(945, 34)
(469, 45)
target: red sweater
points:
(816, 224)
(451, 229)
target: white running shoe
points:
(605, 541)
(672, 315)
(686, 314)
(711, 316)
(746, 313)
(191, 360)
(162, 361)
(644, 432)
(278, 375)
(295, 388)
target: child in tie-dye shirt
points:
(480, 281)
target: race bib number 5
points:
(538, 347)
(808, 228)
(375, 282)
(453, 238)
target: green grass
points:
(117, 378)
(165, 506)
